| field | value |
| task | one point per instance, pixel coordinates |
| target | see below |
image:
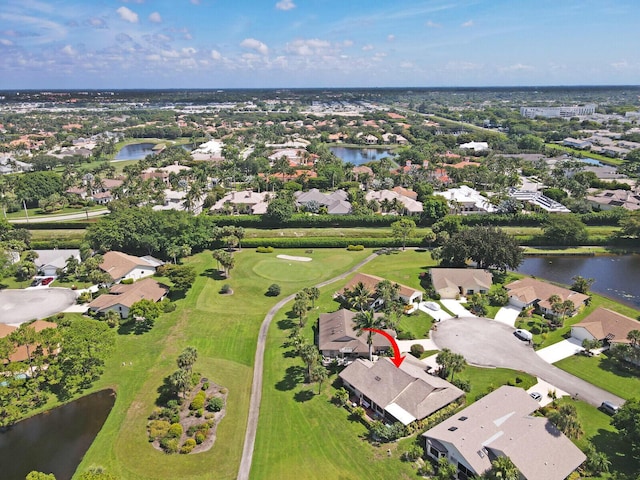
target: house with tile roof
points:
(398, 394)
(407, 294)
(501, 424)
(338, 337)
(20, 354)
(528, 292)
(451, 282)
(466, 200)
(605, 325)
(122, 296)
(120, 266)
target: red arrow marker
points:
(397, 359)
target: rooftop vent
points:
(378, 378)
(453, 429)
(463, 418)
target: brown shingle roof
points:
(20, 355)
(454, 277)
(371, 281)
(118, 264)
(528, 290)
(336, 331)
(604, 323)
(127, 295)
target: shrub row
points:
(52, 244)
(328, 242)
(78, 225)
(262, 249)
(304, 220)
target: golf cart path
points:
(256, 386)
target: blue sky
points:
(317, 43)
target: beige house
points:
(501, 424)
(528, 292)
(338, 338)
(403, 394)
(407, 294)
(121, 297)
(451, 282)
(121, 266)
(606, 326)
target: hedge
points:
(78, 225)
(304, 220)
(328, 242)
(53, 244)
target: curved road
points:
(485, 342)
(61, 217)
(256, 386)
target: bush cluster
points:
(355, 248)
(262, 249)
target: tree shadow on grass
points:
(286, 324)
(304, 396)
(295, 375)
(290, 354)
(214, 274)
(617, 450)
(610, 365)
(166, 392)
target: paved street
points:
(485, 342)
(19, 306)
(61, 217)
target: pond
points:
(616, 276)
(54, 441)
(135, 151)
(358, 156)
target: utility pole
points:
(25, 210)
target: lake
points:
(135, 151)
(54, 441)
(358, 156)
(616, 276)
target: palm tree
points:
(25, 336)
(187, 358)
(634, 337)
(180, 380)
(502, 468)
(318, 374)
(359, 296)
(310, 356)
(366, 319)
(299, 309)
(566, 419)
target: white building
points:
(475, 146)
(558, 112)
(467, 200)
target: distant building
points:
(121, 297)
(538, 200)
(575, 143)
(466, 200)
(475, 146)
(558, 112)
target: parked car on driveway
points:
(47, 281)
(432, 306)
(609, 407)
(536, 396)
(36, 282)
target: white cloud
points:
(127, 15)
(154, 57)
(188, 51)
(216, 55)
(256, 45)
(456, 66)
(518, 67)
(367, 47)
(155, 17)
(432, 24)
(348, 43)
(5, 42)
(406, 65)
(285, 5)
(391, 38)
(313, 46)
(620, 65)
(467, 24)
(69, 50)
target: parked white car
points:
(432, 306)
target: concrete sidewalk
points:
(427, 344)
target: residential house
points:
(398, 394)
(49, 262)
(245, 201)
(121, 266)
(605, 325)
(297, 157)
(408, 295)
(576, 143)
(409, 205)
(452, 282)
(338, 337)
(466, 200)
(530, 292)
(501, 424)
(475, 146)
(538, 200)
(20, 354)
(608, 199)
(336, 202)
(394, 138)
(163, 173)
(121, 297)
(176, 200)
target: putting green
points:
(287, 270)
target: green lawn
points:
(484, 379)
(602, 371)
(418, 324)
(39, 213)
(224, 330)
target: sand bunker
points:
(297, 259)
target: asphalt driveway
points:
(485, 342)
(19, 306)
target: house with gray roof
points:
(336, 202)
(451, 282)
(501, 424)
(50, 261)
(338, 337)
(398, 394)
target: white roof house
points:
(466, 200)
(475, 146)
(539, 200)
(50, 261)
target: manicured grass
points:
(224, 330)
(484, 379)
(604, 437)
(402, 267)
(38, 213)
(418, 324)
(586, 154)
(603, 372)
(70, 234)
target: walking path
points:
(61, 217)
(256, 386)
